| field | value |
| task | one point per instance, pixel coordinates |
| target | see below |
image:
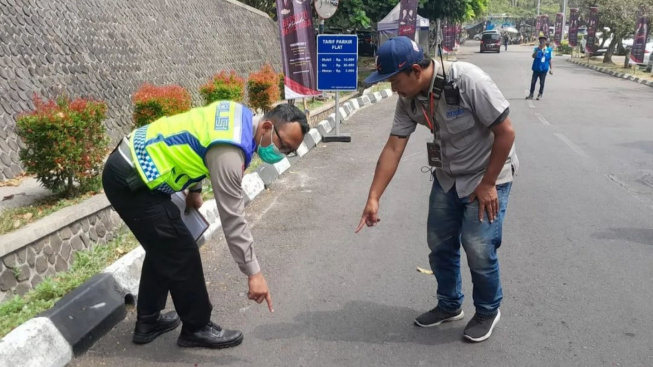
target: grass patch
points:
(87, 263)
(14, 218)
(634, 70)
(380, 86)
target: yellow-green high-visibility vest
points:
(169, 153)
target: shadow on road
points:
(365, 322)
(639, 235)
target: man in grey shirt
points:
(473, 158)
(176, 153)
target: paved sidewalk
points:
(27, 192)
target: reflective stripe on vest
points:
(169, 153)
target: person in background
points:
(542, 64)
(506, 40)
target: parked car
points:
(491, 41)
(367, 44)
(647, 56)
(478, 36)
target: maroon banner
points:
(573, 27)
(592, 24)
(545, 25)
(557, 38)
(408, 18)
(297, 48)
(538, 26)
(641, 35)
(449, 36)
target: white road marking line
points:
(571, 145)
(542, 119)
(530, 104)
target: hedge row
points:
(66, 142)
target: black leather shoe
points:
(210, 336)
(149, 327)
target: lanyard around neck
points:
(431, 111)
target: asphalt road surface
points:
(576, 258)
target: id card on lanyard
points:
(433, 150)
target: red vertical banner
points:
(538, 26)
(641, 35)
(592, 24)
(573, 27)
(557, 38)
(297, 48)
(449, 36)
(407, 18)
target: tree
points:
(617, 15)
(454, 10)
(267, 6)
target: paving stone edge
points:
(45, 340)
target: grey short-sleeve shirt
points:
(462, 131)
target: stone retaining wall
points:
(48, 247)
(107, 49)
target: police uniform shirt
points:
(462, 131)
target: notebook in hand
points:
(193, 219)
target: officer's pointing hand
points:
(258, 290)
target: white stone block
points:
(354, 104)
(253, 185)
(343, 113)
(324, 127)
(282, 166)
(315, 134)
(302, 150)
(35, 343)
(378, 96)
(127, 271)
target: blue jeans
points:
(541, 75)
(452, 221)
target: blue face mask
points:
(271, 153)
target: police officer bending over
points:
(174, 154)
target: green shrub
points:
(263, 88)
(223, 86)
(565, 48)
(65, 144)
(152, 102)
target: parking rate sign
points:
(337, 62)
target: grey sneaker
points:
(480, 327)
(530, 96)
(437, 316)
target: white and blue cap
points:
(395, 55)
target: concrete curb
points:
(613, 73)
(83, 316)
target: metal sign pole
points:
(337, 113)
(337, 71)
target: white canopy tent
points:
(388, 27)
